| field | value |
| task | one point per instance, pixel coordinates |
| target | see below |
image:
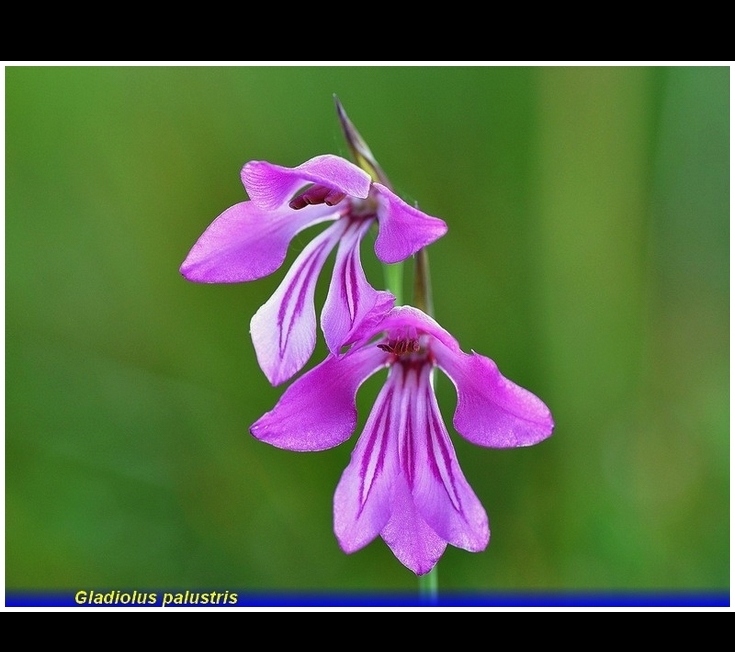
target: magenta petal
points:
(284, 327)
(350, 298)
(362, 501)
(402, 229)
(492, 410)
(409, 537)
(318, 410)
(441, 493)
(271, 186)
(246, 243)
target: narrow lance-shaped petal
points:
(414, 543)
(402, 229)
(283, 329)
(442, 494)
(411, 539)
(363, 498)
(350, 298)
(246, 242)
(492, 410)
(318, 410)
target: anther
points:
(317, 194)
(401, 347)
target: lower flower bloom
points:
(404, 482)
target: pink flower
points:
(250, 240)
(404, 482)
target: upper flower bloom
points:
(404, 482)
(250, 240)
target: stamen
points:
(317, 194)
(334, 197)
(401, 347)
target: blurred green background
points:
(588, 255)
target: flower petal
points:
(284, 327)
(271, 186)
(411, 538)
(318, 410)
(350, 298)
(492, 410)
(441, 493)
(362, 500)
(402, 229)
(408, 536)
(246, 243)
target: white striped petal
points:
(283, 329)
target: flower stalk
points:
(422, 296)
(429, 586)
(393, 276)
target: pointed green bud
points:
(361, 153)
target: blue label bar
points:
(168, 598)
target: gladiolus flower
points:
(250, 240)
(404, 482)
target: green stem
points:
(429, 586)
(422, 283)
(394, 281)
